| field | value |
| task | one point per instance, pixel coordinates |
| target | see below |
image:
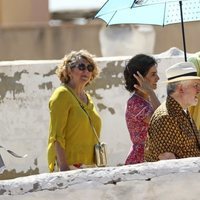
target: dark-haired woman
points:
(71, 137)
(141, 79)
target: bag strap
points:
(81, 105)
(91, 124)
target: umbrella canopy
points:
(154, 12)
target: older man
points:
(172, 133)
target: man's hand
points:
(166, 156)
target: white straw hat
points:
(181, 71)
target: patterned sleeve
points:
(144, 113)
(138, 110)
(162, 135)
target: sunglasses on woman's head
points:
(83, 67)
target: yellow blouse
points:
(70, 126)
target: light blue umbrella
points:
(154, 12)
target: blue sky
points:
(55, 5)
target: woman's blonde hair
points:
(70, 60)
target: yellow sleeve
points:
(59, 107)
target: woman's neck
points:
(79, 90)
(143, 95)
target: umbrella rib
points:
(132, 4)
(164, 15)
(111, 18)
(147, 4)
(101, 7)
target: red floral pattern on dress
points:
(138, 109)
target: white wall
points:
(25, 88)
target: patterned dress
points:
(138, 109)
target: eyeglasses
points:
(83, 67)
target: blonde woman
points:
(71, 137)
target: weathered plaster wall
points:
(25, 88)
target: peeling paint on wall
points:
(10, 174)
(10, 84)
(51, 72)
(47, 85)
(110, 76)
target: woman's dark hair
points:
(141, 63)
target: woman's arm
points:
(154, 99)
(61, 159)
(146, 89)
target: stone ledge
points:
(99, 176)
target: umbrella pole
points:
(183, 31)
